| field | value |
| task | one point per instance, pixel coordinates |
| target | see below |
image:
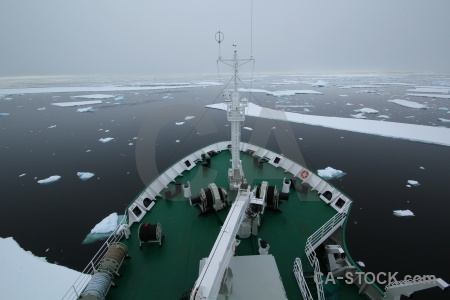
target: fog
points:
(177, 37)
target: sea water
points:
(53, 219)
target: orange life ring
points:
(304, 174)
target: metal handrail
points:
(80, 283)
(298, 272)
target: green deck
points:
(167, 272)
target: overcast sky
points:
(177, 37)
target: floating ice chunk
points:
(41, 108)
(77, 103)
(88, 150)
(188, 118)
(349, 104)
(85, 175)
(408, 185)
(403, 213)
(407, 103)
(306, 110)
(177, 141)
(107, 225)
(22, 266)
(210, 83)
(444, 120)
(383, 117)
(430, 96)
(87, 109)
(247, 128)
(107, 130)
(443, 108)
(52, 126)
(130, 144)
(356, 86)
(105, 140)
(413, 182)
(135, 138)
(443, 90)
(293, 92)
(119, 98)
(179, 123)
(4, 114)
(95, 96)
(50, 179)
(367, 110)
(361, 264)
(343, 95)
(359, 116)
(320, 83)
(21, 175)
(422, 168)
(330, 173)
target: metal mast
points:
(236, 116)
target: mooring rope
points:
(98, 285)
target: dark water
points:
(58, 216)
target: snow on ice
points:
(50, 179)
(444, 120)
(105, 140)
(430, 96)
(329, 173)
(413, 182)
(85, 175)
(19, 266)
(411, 132)
(87, 109)
(403, 213)
(367, 110)
(407, 103)
(95, 96)
(77, 103)
(107, 225)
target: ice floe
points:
(383, 117)
(407, 103)
(21, 175)
(52, 126)
(50, 179)
(412, 132)
(247, 128)
(280, 93)
(413, 182)
(41, 108)
(358, 86)
(177, 141)
(130, 144)
(329, 173)
(430, 96)
(435, 89)
(43, 280)
(103, 230)
(179, 123)
(77, 103)
(85, 175)
(422, 168)
(359, 116)
(189, 118)
(367, 110)
(444, 120)
(443, 108)
(361, 264)
(4, 114)
(343, 95)
(107, 225)
(119, 98)
(320, 83)
(73, 89)
(403, 213)
(94, 96)
(86, 109)
(105, 140)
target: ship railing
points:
(326, 230)
(298, 272)
(80, 283)
(311, 254)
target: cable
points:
(98, 285)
